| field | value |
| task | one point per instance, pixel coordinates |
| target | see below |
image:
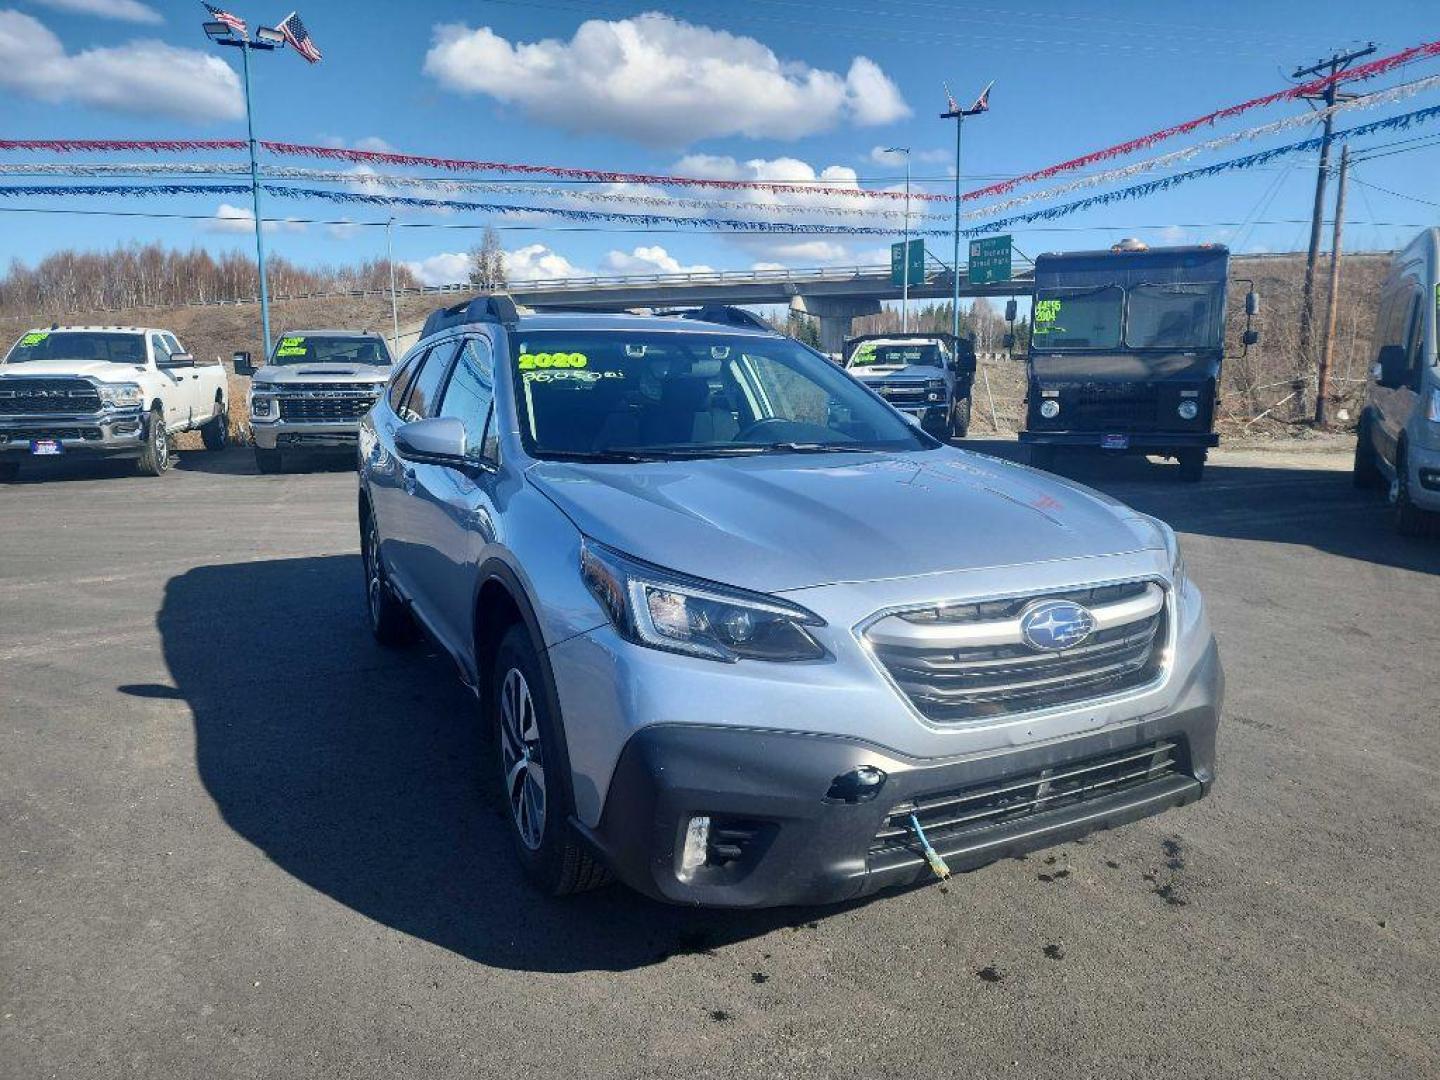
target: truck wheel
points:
(960, 419)
(216, 433)
(269, 461)
(1192, 465)
(155, 456)
(1409, 519)
(1042, 456)
(534, 774)
(9, 470)
(390, 622)
(1366, 474)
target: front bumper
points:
(291, 435)
(1424, 466)
(1141, 442)
(770, 787)
(120, 432)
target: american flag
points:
(298, 37)
(982, 103)
(234, 22)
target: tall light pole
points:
(394, 304)
(266, 39)
(982, 104)
(904, 247)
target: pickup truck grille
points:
(25, 435)
(903, 393)
(946, 815)
(971, 661)
(324, 403)
(40, 397)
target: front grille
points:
(25, 435)
(902, 393)
(326, 406)
(1112, 408)
(946, 815)
(39, 397)
(970, 661)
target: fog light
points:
(697, 842)
(857, 785)
(260, 407)
(1188, 410)
(1049, 408)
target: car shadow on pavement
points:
(362, 773)
(240, 461)
(1245, 500)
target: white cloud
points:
(648, 260)
(145, 77)
(530, 263)
(126, 10)
(880, 155)
(446, 268)
(662, 81)
(240, 219)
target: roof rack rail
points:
(726, 315)
(491, 307)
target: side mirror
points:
(1250, 337)
(177, 360)
(437, 441)
(243, 366)
(1252, 303)
(1390, 366)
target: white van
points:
(1399, 436)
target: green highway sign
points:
(989, 260)
(917, 263)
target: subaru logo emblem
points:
(1052, 625)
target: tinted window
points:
(1078, 318)
(400, 381)
(1173, 316)
(879, 354)
(423, 401)
(62, 345)
(471, 390)
(323, 349)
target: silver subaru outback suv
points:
(742, 635)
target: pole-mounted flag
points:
(298, 37)
(234, 22)
(982, 103)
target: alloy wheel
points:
(370, 553)
(522, 759)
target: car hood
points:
(780, 522)
(103, 370)
(337, 373)
(906, 373)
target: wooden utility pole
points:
(1322, 381)
(1328, 96)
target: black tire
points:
(390, 621)
(156, 454)
(1366, 474)
(1192, 465)
(960, 419)
(526, 727)
(269, 461)
(1042, 456)
(216, 432)
(9, 470)
(1409, 519)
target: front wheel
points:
(155, 456)
(960, 418)
(1409, 519)
(390, 622)
(1192, 465)
(216, 432)
(534, 775)
(1366, 473)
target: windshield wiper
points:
(816, 448)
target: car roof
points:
(99, 330)
(637, 323)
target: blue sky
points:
(794, 86)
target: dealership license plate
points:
(46, 446)
(1114, 442)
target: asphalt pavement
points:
(237, 839)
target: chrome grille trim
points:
(977, 669)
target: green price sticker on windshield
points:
(541, 360)
(1046, 312)
(34, 338)
(291, 346)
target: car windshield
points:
(1078, 318)
(627, 395)
(1173, 316)
(321, 349)
(878, 354)
(76, 345)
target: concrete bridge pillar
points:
(835, 314)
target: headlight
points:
(1173, 554)
(1188, 410)
(1049, 408)
(1432, 407)
(261, 406)
(665, 610)
(121, 395)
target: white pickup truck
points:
(106, 390)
